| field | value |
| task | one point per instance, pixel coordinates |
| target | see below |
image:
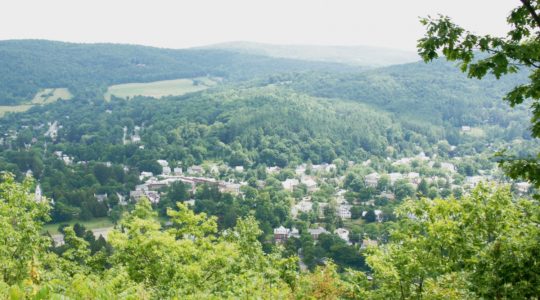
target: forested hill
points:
(435, 93)
(29, 65)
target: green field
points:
(158, 89)
(47, 96)
(44, 96)
(15, 108)
(92, 224)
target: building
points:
(289, 184)
(305, 206)
(395, 177)
(343, 234)
(166, 171)
(239, 169)
(162, 162)
(448, 167)
(281, 234)
(273, 170)
(311, 184)
(145, 175)
(316, 232)
(100, 197)
(366, 243)
(177, 171)
(522, 187)
(344, 211)
(372, 179)
(195, 170)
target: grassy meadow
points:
(44, 96)
(158, 89)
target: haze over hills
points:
(366, 56)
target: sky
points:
(189, 23)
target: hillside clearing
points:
(158, 89)
(44, 96)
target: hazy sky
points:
(180, 24)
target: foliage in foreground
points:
(480, 246)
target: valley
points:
(178, 168)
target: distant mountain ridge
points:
(26, 66)
(366, 56)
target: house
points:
(190, 202)
(414, 177)
(166, 171)
(153, 196)
(465, 128)
(195, 170)
(281, 234)
(343, 234)
(145, 175)
(310, 184)
(473, 181)
(135, 138)
(162, 162)
(522, 187)
(294, 233)
(289, 184)
(239, 169)
(388, 195)
(300, 170)
(395, 177)
(177, 171)
(304, 206)
(448, 167)
(273, 170)
(344, 211)
(372, 179)
(100, 197)
(402, 162)
(315, 233)
(378, 215)
(366, 243)
(230, 187)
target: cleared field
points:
(44, 96)
(47, 96)
(158, 89)
(14, 108)
(99, 223)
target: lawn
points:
(158, 89)
(92, 224)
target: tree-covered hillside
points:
(437, 93)
(86, 69)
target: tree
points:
(518, 50)
(21, 219)
(479, 246)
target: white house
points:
(289, 184)
(310, 184)
(343, 234)
(372, 179)
(162, 162)
(344, 211)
